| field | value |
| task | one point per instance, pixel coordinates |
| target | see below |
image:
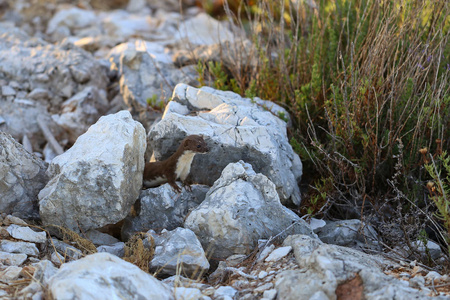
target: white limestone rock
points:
(241, 208)
(26, 234)
(81, 111)
(22, 176)
(146, 74)
(178, 249)
(19, 247)
(324, 266)
(63, 69)
(235, 128)
(105, 276)
(96, 181)
(204, 30)
(278, 253)
(12, 259)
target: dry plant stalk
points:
(137, 253)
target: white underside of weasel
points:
(184, 165)
(155, 182)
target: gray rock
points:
(20, 118)
(429, 248)
(81, 111)
(118, 249)
(162, 207)
(278, 253)
(324, 266)
(26, 234)
(294, 284)
(350, 233)
(12, 259)
(144, 76)
(22, 176)
(239, 209)
(10, 273)
(63, 70)
(235, 129)
(177, 250)
(183, 293)
(19, 247)
(44, 271)
(204, 30)
(66, 251)
(39, 94)
(105, 276)
(73, 18)
(8, 91)
(96, 181)
(99, 238)
(225, 292)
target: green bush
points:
(367, 85)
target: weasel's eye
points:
(198, 146)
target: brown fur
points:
(167, 169)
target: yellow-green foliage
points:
(439, 188)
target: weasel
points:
(176, 166)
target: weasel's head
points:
(195, 143)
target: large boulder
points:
(96, 181)
(241, 208)
(22, 176)
(234, 128)
(105, 276)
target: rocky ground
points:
(83, 87)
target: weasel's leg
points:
(175, 186)
(187, 186)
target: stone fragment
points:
(96, 181)
(225, 292)
(12, 259)
(204, 30)
(105, 276)
(178, 250)
(350, 233)
(19, 247)
(10, 273)
(278, 253)
(22, 176)
(26, 234)
(241, 208)
(99, 238)
(8, 91)
(81, 111)
(118, 249)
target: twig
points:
(234, 270)
(49, 136)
